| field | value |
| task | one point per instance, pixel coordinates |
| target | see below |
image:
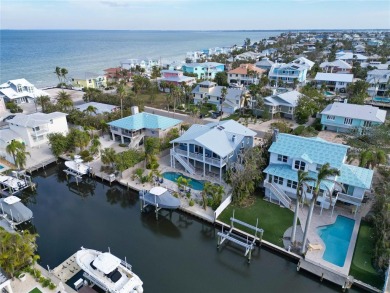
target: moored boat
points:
(160, 197)
(15, 210)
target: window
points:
(282, 158)
(292, 184)
(318, 167)
(309, 189)
(330, 117)
(367, 123)
(348, 121)
(278, 180)
(36, 128)
(114, 128)
(299, 165)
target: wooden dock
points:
(325, 273)
(67, 269)
(41, 165)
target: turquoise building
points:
(206, 70)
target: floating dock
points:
(67, 269)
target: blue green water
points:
(381, 99)
(34, 54)
(173, 176)
(337, 237)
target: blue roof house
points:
(206, 70)
(290, 153)
(287, 73)
(343, 117)
(210, 147)
(132, 129)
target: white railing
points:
(135, 141)
(276, 191)
(186, 165)
(199, 157)
(349, 199)
(39, 132)
(222, 206)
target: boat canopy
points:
(16, 210)
(12, 199)
(158, 190)
(106, 262)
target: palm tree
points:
(323, 175)
(64, 72)
(57, 71)
(95, 146)
(303, 178)
(222, 99)
(64, 101)
(372, 158)
(18, 152)
(90, 110)
(121, 91)
(108, 156)
(43, 101)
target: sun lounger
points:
(315, 247)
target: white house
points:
(350, 57)
(334, 81)
(337, 66)
(20, 91)
(245, 74)
(304, 62)
(379, 82)
(99, 108)
(290, 153)
(5, 282)
(145, 63)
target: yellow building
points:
(89, 80)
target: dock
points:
(66, 269)
(41, 165)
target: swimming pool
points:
(381, 99)
(194, 184)
(336, 238)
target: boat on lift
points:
(14, 210)
(76, 167)
(159, 197)
(108, 271)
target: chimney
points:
(275, 135)
(345, 101)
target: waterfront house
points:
(343, 117)
(144, 63)
(210, 92)
(304, 62)
(209, 149)
(282, 104)
(359, 49)
(287, 73)
(100, 108)
(334, 81)
(89, 80)
(175, 77)
(350, 57)
(379, 82)
(265, 63)
(245, 74)
(194, 56)
(337, 66)
(132, 129)
(117, 74)
(20, 91)
(250, 56)
(206, 70)
(290, 153)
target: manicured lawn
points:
(272, 218)
(361, 267)
(35, 290)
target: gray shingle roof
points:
(363, 112)
(35, 119)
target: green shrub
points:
(299, 130)
(46, 282)
(191, 202)
(210, 201)
(52, 286)
(123, 145)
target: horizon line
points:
(195, 30)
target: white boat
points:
(160, 197)
(15, 210)
(108, 272)
(77, 167)
(12, 184)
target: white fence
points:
(222, 206)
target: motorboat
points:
(12, 184)
(15, 210)
(77, 167)
(108, 271)
(160, 197)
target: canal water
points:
(177, 253)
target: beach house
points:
(334, 81)
(144, 63)
(290, 153)
(174, 77)
(379, 83)
(265, 63)
(99, 108)
(282, 104)
(287, 73)
(343, 117)
(337, 66)
(206, 70)
(350, 57)
(208, 149)
(245, 74)
(89, 80)
(210, 92)
(131, 130)
(20, 91)
(304, 62)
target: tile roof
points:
(217, 137)
(317, 150)
(355, 176)
(362, 112)
(145, 120)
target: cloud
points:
(115, 3)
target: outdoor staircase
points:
(279, 194)
(135, 142)
(187, 166)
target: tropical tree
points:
(222, 99)
(18, 152)
(64, 101)
(90, 110)
(95, 146)
(303, 178)
(121, 92)
(64, 72)
(324, 174)
(108, 156)
(58, 143)
(57, 72)
(43, 101)
(81, 139)
(221, 78)
(370, 158)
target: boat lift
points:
(15, 183)
(232, 235)
(144, 202)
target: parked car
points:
(216, 114)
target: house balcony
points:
(38, 133)
(349, 199)
(199, 157)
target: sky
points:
(195, 14)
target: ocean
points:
(34, 54)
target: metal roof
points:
(356, 176)
(100, 107)
(145, 120)
(362, 112)
(289, 99)
(221, 138)
(317, 150)
(341, 77)
(35, 119)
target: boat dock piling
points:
(145, 202)
(41, 165)
(248, 244)
(21, 180)
(67, 269)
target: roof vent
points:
(233, 138)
